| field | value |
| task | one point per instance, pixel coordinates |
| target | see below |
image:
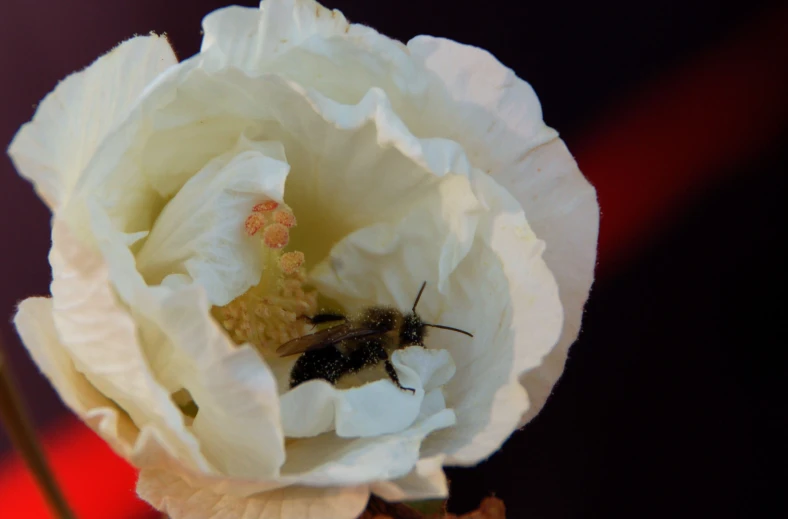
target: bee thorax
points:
(381, 318)
(413, 330)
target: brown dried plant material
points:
(380, 509)
(494, 508)
(490, 508)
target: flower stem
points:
(22, 434)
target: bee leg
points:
(324, 318)
(393, 376)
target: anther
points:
(265, 207)
(276, 236)
(285, 217)
(253, 223)
(290, 262)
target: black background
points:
(673, 392)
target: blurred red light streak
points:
(658, 149)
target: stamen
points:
(253, 223)
(286, 218)
(290, 262)
(271, 318)
(276, 236)
(268, 315)
(265, 207)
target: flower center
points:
(270, 313)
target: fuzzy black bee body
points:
(357, 344)
(351, 356)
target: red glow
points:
(97, 483)
(663, 146)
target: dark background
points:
(671, 396)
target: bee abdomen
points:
(369, 353)
(328, 364)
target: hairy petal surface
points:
(53, 149)
(562, 208)
(497, 118)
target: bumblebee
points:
(354, 344)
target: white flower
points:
(171, 287)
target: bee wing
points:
(324, 339)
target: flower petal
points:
(210, 111)
(473, 240)
(426, 481)
(100, 336)
(562, 209)
(498, 120)
(374, 409)
(36, 327)
(384, 263)
(520, 322)
(145, 448)
(237, 424)
(200, 231)
(482, 104)
(238, 419)
(324, 461)
(53, 149)
(379, 262)
(173, 496)
(247, 38)
(328, 460)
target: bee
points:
(354, 344)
